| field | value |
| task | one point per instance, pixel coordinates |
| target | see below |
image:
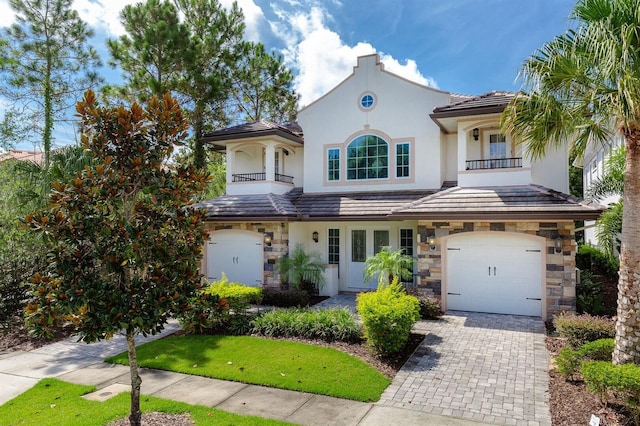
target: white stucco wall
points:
(400, 114)
(552, 171)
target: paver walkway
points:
(485, 367)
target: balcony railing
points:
(256, 177)
(497, 163)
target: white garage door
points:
(237, 254)
(499, 273)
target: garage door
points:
(237, 254)
(494, 272)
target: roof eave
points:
(251, 135)
(508, 216)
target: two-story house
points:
(382, 161)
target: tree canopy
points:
(125, 248)
(46, 64)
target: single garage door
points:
(237, 254)
(494, 272)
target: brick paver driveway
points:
(486, 367)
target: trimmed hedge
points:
(238, 296)
(388, 315)
(604, 378)
(580, 329)
(285, 298)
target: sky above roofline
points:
(461, 46)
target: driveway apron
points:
(486, 367)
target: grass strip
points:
(275, 363)
(52, 402)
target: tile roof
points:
(491, 100)
(509, 202)
(262, 206)
(20, 155)
(353, 205)
(291, 131)
(505, 202)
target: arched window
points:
(368, 158)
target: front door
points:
(363, 242)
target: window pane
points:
(406, 241)
(334, 246)
(380, 239)
(333, 165)
(367, 158)
(358, 245)
(402, 160)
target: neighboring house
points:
(21, 155)
(382, 161)
(593, 164)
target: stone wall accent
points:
(279, 233)
(560, 269)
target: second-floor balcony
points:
(496, 163)
(259, 177)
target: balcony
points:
(258, 177)
(497, 163)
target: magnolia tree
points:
(125, 250)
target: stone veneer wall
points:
(560, 271)
(279, 233)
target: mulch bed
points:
(572, 404)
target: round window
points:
(367, 101)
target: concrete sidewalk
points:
(82, 364)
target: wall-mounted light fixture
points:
(315, 236)
(557, 245)
(431, 241)
(476, 133)
(267, 240)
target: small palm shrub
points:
(580, 329)
(301, 267)
(388, 265)
(323, 324)
(388, 315)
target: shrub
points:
(579, 329)
(323, 324)
(388, 315)
(568, 361)
(220, 306)
(592, 259)
(15, 291)
(604, 377)
(238, 296)
(285, 298)
(590, 294)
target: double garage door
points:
(494, 272)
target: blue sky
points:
(461, 46)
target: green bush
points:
(590, 294)
(592, 259)
(220, 306)
(285, 298)
(388, 315)
(579, 329)
(430, 308)
(568, 361)
(323, 324)
(604, 377)
(238, 296)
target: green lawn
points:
(276, 363)
(57, 403)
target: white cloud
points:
(322, 59)
(6, 14)
(103, 14)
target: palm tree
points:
(584, 86)
(611, 183)
(301, 267)
(388, 264)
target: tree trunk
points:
(135, 415)
(627, 342)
